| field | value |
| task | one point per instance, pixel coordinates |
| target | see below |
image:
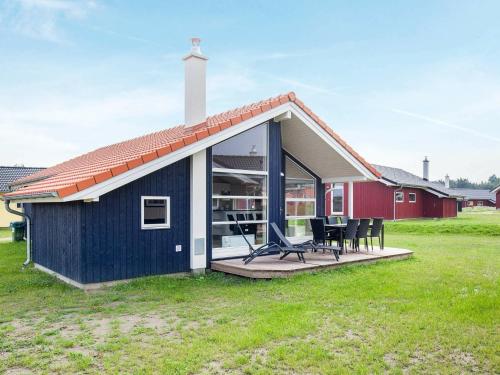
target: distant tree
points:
(464, 183)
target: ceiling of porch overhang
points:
(314, 151)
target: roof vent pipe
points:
(447, 181)
(426, 169)
(195, 68)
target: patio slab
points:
(269, 267)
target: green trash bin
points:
(18, 230)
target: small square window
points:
(412, 197)
(400, 197)
(155, 212)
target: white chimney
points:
(447, 181)
(426, 169)
(195, 92)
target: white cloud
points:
(40, 19)
(44, 130)
(446, 124)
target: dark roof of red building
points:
(104, 163)
(399, 176)
(10, 174)
(476, 194)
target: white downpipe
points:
(28, 230)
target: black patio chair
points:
(350, 231)
(321, 236)
(376, 230)
(288, 248)
(344, 219)
(320, 233)
(332, 219)
(362, 233)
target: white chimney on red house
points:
(447, 181)
(426, 169)
(195, 91)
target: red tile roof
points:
(97, 166)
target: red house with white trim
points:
(476, 197)
(397, 194)
(496, 191)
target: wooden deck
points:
(269, 267)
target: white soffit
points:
(317, 153)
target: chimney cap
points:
(195, 49)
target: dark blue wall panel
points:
(275, 200)
(103, 241)
(115, 247)
(56, 235)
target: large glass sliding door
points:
(300, 201)
(239, 192)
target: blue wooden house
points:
(167, 202)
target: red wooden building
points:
(476, 197)
(496, 191)
(396, 195)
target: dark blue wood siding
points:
(56, 237)
(113, 243)
(275, 201)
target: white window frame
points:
(479, 203)
(415, 197)
(396, 194)
(167, 209)
(301, 199)
(341, 184)
(227, 252)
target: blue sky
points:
(397, 80)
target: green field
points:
(435, 313)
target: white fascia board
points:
(113, 183)
(284, 116)
(33, 199)
(334, 180)
(306, 119)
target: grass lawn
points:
(5, 233)
(438, 312)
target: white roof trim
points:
(344, 179)
(94, 192)
(306, 119)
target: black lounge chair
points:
(269, 248)
(321, 236)
(289, 248)
(256, 251)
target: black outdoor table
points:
(342, 227)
